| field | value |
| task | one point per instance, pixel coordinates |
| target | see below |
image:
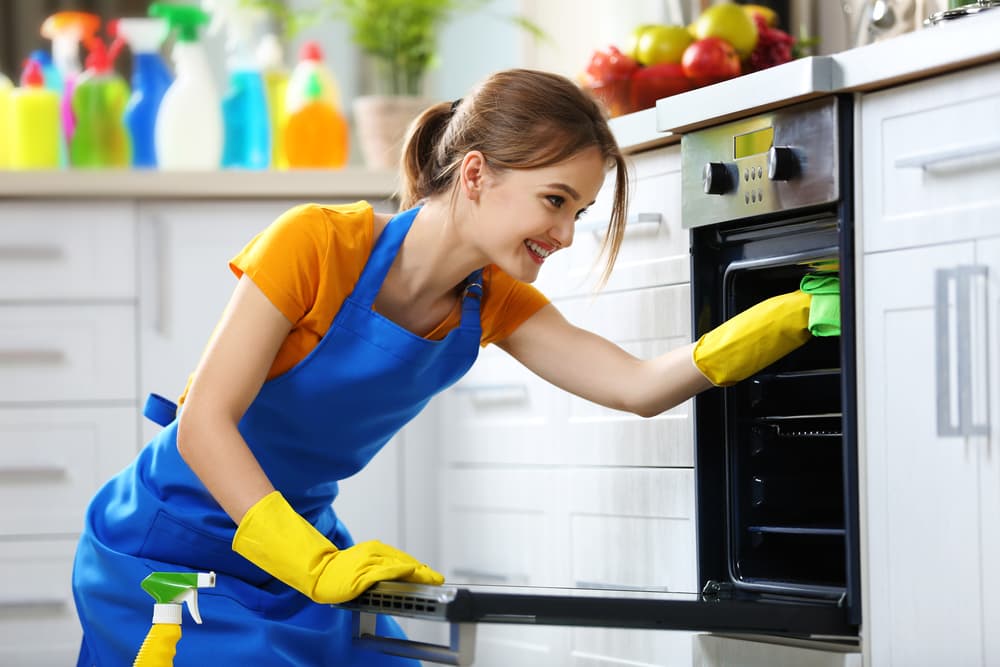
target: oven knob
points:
(782, 164)
(716, 178)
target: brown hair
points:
(518, 119)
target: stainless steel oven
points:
(766, 200)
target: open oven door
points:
(463, 607)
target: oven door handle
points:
(969, 328)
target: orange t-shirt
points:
(309, 259)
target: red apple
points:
(610, 64)
(710, 60)
(657, 81)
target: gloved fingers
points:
(425, 575)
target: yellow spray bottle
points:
(170, 590)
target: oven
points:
(766, 199)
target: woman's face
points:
(527, 214)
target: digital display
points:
(753, 143)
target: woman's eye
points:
(582, 212)
(556, 200)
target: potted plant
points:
(399, 40)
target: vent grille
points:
(399, 603)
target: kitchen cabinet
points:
(67, 404)
(541, 488)
(931, 376)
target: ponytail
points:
(421, 170)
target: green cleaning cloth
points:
(824, 309)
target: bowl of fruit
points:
(658, 60)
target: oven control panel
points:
(770, 163)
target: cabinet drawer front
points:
(38, 623)
(633, 529)
(52, 460)
(67, 251)
(930, 167)
(67, 353)
(654, 249)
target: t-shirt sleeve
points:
(508, 304)
(285, 259)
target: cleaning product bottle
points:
(247, 142)
(188, 131)
(316, 131)
(33, 123)
(170, 590)
(150, 80)
(54, 82)
(5, 136)
(67, 30)
(100, 138)
(270, 60)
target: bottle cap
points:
(32, 76)
(311, 51)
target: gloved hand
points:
(277, 539)
(764, 333)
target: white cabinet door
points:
(923, 489)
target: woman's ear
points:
(472, 174)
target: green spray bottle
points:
(170, 590)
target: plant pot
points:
(381, 122)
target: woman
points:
(343, 324)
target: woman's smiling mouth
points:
(538, 251)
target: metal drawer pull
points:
(635, 223)
(963, 422)
(32, 473)
(41, 604)
(600, 586)
(28, 357)
(30, 253)
(460, 650)
(481, 575)
(495, 394)
(932, 159)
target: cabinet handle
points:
(49, 604)
(481, 575)
(494, 394)
(635, 223)
(29, 357)
(965, 337)
(35, 472)
(932, 159)
(30, 253)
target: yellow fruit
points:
(662, 44)
(632, 43)
(729, 22)
(769, 15)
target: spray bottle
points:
(100, 138)
(188, 131)
(316, 131)
(247, 142)
(67, 30)
(5, 135)
(270, 60)
(33, 122)
(170, 590)
(54, 82)
(150, 81)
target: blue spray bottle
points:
(150, 80)
(247, 142)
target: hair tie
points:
(454, 105)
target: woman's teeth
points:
(537, 249)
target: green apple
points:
(661, 44)
(730, 22)
(632, 43)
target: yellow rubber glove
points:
(275, 538)
(754, 339)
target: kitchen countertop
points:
(953, 45)
(321, 184)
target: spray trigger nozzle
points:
(176, 588)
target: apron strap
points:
(472, 296)
(384, 252)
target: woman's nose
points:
(563, 233)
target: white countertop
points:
(933, 50)
(318, 184)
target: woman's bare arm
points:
(594, 368)
(230, 374)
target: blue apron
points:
(320, 422)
